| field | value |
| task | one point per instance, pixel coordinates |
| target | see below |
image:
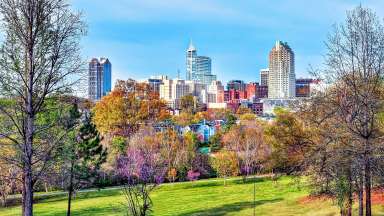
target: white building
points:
(281, 78)
(217, 105)
(269, 105)
(214, 93)
(172, 90)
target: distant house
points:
(203, 131)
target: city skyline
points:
(146, 38)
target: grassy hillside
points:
(205, 197)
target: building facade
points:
(262, 91)
(281, 78)
(214, 93)
(191, 62)
(99, 78)
(264, 73)
(199, 68)
(251, 89)
(303, 87)
(236, 85)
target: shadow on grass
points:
(89, 211)
(249, 180)
(200, 185)
(220, 182)
(82, 195)
(229, 208)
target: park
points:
(204, 197)
(187, 147)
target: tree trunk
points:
(4, 200)
(23, 195)
(46, 187)
(70, 191)
(28, 196)
(368, 189)
(350, 198)
(360, 188)
(28, 152)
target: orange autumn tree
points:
(129, 106)
(226, 164)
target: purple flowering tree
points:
(192, 175)
(143, 169)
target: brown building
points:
(262, 91)
(257, 108)
(303, 87)
(252, 90)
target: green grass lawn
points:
(205, 197)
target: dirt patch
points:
(377, 197)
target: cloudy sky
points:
(149, 37)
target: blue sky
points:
(149, 37)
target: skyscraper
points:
(281, 78)
(99, 78)
(191, 61)
(199, 67)
(264, 77)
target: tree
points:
(226, 164)
(247, 141)
(143, 170)
(193, 176)
(291, 142)
(354, 65)
(331, 161)
(128, 106)
(171, 150)
(188, 104)
(243, 110)
(39, 58)
(84, 153)
(9, 176)
(184, 119)
(230, 120)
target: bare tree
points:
(247, 141)
(355, 67)
(39, 60)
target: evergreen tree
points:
(84, 153)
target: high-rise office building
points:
(264, 77)
(281, 78)
(191, 61)
(99, 78)
(199, 68)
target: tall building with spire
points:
(199, 68)
(191, 61)
(99, 78)
(281, 76)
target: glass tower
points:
(199, 68)
(99, 78)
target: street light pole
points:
(254, 196)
